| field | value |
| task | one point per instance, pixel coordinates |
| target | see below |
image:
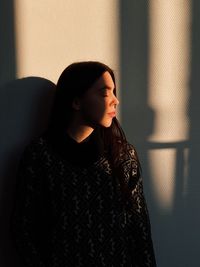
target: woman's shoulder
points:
(129, 159)
(130, 149)
(35, 146)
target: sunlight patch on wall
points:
(169, 70)
(52, 34)
(162, 163)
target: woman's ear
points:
(76, 104)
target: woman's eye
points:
(104, 94)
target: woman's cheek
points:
(99, 104)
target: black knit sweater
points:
(68, 210)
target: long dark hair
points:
(73, 82)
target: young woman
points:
(79, 196)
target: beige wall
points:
(51, 34)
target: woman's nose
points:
(116, 101)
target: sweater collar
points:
(83, 153)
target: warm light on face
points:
(169, 60)
(99, 101)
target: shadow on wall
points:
(176, 233)
(137, 118)
(7, 43)
(24, 109)
(192, 222)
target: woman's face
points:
(99, 101)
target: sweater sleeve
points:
(138, 221)
(28, 219)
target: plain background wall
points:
(38, 39)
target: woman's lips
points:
(112, 114)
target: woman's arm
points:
(29, 214)
(138, 222)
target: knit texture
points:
(68, 210)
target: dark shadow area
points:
(136, 116)
(7, 43)
(24, 109)
(134, 63)
(192, 219)
(176, 231)
(171, 224)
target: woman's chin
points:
(106, 124)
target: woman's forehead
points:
(105, 81)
